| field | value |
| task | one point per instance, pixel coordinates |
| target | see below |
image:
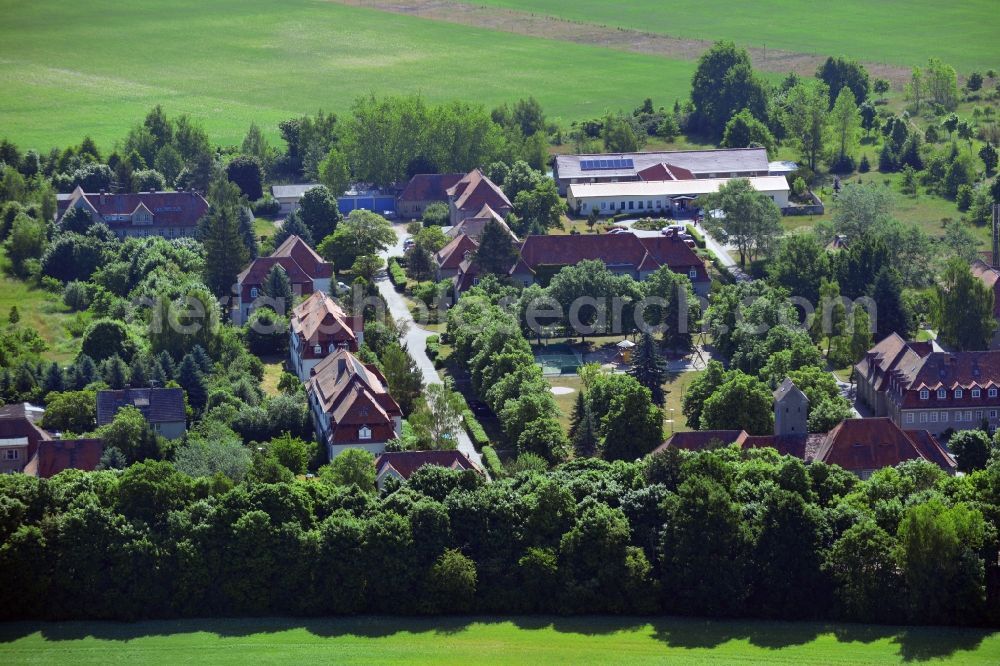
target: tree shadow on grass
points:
(915, 644)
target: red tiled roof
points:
(664, 171)
(474, 190)
(56, 455)
(430, 186)
(615, 250)
(318, 320)
(869, 444)
(700, 439)
(452, 255)
(473, 226)
(354, 394)
(964, 370)
(405, 463)
(312, 264)
(173, 209)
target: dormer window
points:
(958, 393)
(254, 292)
(975, 393)
(332, 347)
(942, 394)
(992, 393)
(364, 432)
(692, 273)
(318, 349)
(924, 394)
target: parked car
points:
(342, 288)
(617, 230)
(408, 243)
(672, 229)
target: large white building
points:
(661, 196)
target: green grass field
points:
(902, 32)
(71, 69)
(529, 640)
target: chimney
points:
(995, 259)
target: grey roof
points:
(788, 388)
(287, 191)
(158, 405)
(726, 160)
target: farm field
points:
(73, 69)
(583, 640)
(901, 32)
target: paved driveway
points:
(415, 338)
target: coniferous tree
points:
(294, 226)
(278, 287)
(138, 377)
(167, 366)
(203, 359)
(115, 372)
(496, 251)
(86, 371)
(191, 379)
(893, 315)
(964, 309)
(225, 251)
(649, 367)
(585, 438)
(53, 380)
(576, 417)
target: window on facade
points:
(958, 416)
(909, 417)
(623, 206)
(11, 454)
(318, 349)
(631, 205)
(692, 273)
(604, 204)
(968, 415)
(958, 393)
(934, 417)
(254, 292)
(640, 205)
(924, 394)
(975, 393)
(942, 394)
(944, 417)
(979, 415)
(364, 432)
(992, 393)
(923, 417)
(993, 413)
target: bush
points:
(699, 239)
(433, 347)
(475, 429)
(864, 166)
(266, 206)
(491, 461)
(75, 295)
(396, 274)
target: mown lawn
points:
(73, 69)
(462, 640)
(902, 32)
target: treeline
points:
(717, 533)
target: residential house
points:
(163, 408)
(307, 272)
(142, 214)
(351, 406)
(318, 327)
(423, 190)
(680, 165)
(540, 257)
(660, 197)
(918, 386)
(401, 465)
(473, 226)
(451, 257)
(26, 447)
(467, 197)
(289, 196)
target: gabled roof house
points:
(351, 406)
(163, 408)
(319, 327)
(166, 214)
(467, 197)
(306, 270)
(402, 464)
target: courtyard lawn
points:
(264, 228)
(962, 33)
(469, 640)
(274, 366)
(674, 388)
(75, 69)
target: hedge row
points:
(699, 239)
(475, 429)
(492, 462)
(396, 274)
(433, 347)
